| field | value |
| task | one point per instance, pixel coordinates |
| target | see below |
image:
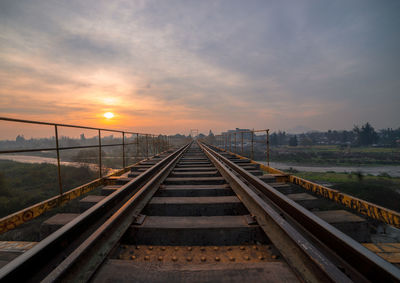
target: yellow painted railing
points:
(366, 208)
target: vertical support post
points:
(137, 147)
(157, 141)
(100, 173)
(226, 142)
(241, 133)
(147, 145)
(267, 147)
(123, 149)
(154, 144)
(230, 143)
(252, 144)
(235, 143)
(58, 161)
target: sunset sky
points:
(169, 66)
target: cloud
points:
(210, 64)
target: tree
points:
(366, 135)
(389, 136)
(273, 139)
(20, 139)
(305, 140)
(293, 141)
(281, 138)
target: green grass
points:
(381, 190)
(24, 184)
(334, 155)
(339, 149)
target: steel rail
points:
(364, 207)
(303, 257)
(37, 262)
(81, 264)
(367, 263)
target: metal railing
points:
(155, 143)
(225, 141)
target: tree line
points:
(365, 135)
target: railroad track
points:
(197, 215)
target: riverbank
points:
(49, 160)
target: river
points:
(50, 160)
(393, 171)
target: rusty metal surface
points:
(43, 257)
(86, 258)
(366, 208)
(13, 220)
(387, 251)
(199, 254)
(62, 125)
(115, 270)
(16, 246)
(303, 257)
(366, 262)
(369, 209)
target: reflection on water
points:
(38, 159)
(393, 171)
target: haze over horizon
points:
(169, 66)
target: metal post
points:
(137, 147)
(225, 142)
(268, 147)
(230, 143)
(100, 173)
(252, 145)
(58, 161)
(235, 143)
(147, 145)
(123, 149)
(242, 141)
(154, 144)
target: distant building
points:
(246, 133)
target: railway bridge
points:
(198, 212)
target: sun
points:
(108, 115)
